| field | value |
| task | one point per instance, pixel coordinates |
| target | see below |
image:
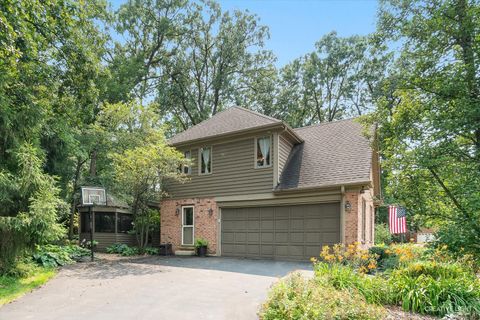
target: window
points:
(206, 160)
(124, 222)
(85, 222)
(186, 169)
(263, 152)
(105, 222)
(364, 220)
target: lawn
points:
(12, 287)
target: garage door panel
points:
(283, 224)
(282, 232)
(267, 237)
(296, 237)
(297, 224)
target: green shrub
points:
(297, 298)
(436, 288)
(382, 234)
(54, 256)
(385, 260)
(373, 289)
(151, 251)
(123, 249)
(200, 242)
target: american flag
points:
(397, 219)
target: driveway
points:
(154, 288)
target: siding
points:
(107, 239)
(233, 173)
(284, 148)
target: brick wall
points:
(205, 225)
(353, 218)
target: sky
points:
(295, 25)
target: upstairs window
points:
(263, 152)
(205, 160)
(186, 169)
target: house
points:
(261, 189)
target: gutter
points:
(354, 183)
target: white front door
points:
(187, 225)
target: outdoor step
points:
(185, 252)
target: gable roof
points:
(230, 120)
(332, 153)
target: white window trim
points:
(256, 166)
(193, 225)
(189, 166)
(200, 161)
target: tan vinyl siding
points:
(233, 172)
(284, 148)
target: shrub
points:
(436, 288)
(297, 298)
(123, 249)
(200, 242)
(151, 251)
(382, 234)
(54, 256)
(373, 289)
(352, 255)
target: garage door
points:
(283, 232)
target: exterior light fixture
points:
(362, 190)
(348, 206)
(210, 211)
(177, 211)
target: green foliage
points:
(420, 281)
(151, 251)
(297, 298)
(52, 256)
(428, 116)
(125, 250)
(200, 242)
(25, 277)
(382, 234)
(437, 289)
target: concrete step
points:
(185, 252)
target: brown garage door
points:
(284, 232)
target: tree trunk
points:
(73, 199)
(93, 163)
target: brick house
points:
(258, 188)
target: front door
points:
(187, 226)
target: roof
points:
(230, 120)
(332, 153)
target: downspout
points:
(342, 215)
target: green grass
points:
(12, 288)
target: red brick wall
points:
(353, 218)
(205, 225)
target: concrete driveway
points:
(154, 288)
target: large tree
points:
(190, 57)
(340, 79)
(430, 124)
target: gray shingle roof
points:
(332, 153)
(228, 121)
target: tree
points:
(189, 57)
(430, 125)
(340, 79)
(142, 168)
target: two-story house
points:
(261, 189)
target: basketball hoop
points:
(93, 196)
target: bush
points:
(382, 234)
(151, 251)
(123, 249)
(352, 255)
(373, 289)
(55, 256)
(297, 298)
(200, 242)
(436, 288)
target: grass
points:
(12, 288)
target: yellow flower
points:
(372, 264)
